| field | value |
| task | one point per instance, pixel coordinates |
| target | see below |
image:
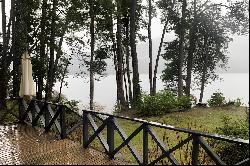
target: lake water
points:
(233, 86)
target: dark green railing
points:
(50, 114)
(112, 125)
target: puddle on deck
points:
(22, 144)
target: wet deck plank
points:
(21, 144)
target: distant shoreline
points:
(234, 85)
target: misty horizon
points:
(238, 57)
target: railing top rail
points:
(156, 124)
(17, 98)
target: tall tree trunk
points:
(116, 76)
(150, 47)
(61, 84)
(158, 57)
(191, 51)
(58, 55)
(92, 45)
(125, 82)
(181, 53)
(128, 61)
(136, 79)
(203, 81)
(114, 53)
(204, 71)
(42, 51)
(16, 57)
(50, 78)
(3, 63)
(119, 54)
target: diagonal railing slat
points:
(37, 110)
(74, 127)
(126, 141)
(97, 133)
(162, 146)
(210, 152)
(40, 113)
(54, 120)
(244, 162)
(164, 155)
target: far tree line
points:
(56, 31)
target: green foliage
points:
(217, 100)
(184, 102)
(235, 128)
(239, 129)
(236, 103)
(163, 102)
(72, 104)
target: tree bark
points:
(158, 57)
(3, 63)
(50, 78)
(119, 54)
(42, 51)
(191, 51)
(114, 52)
(16, 57)
(61, 84)
(92, 45)
(181, 53)
(128, 62)
(136, 79)
(150, 47)
(125, 82)
(204, 71)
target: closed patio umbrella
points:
(27, 86)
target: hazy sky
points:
(238, 49)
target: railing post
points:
(85, 128)
(111, 136)
(33, 111)
(145, 144)
(62, 122)
(21, 109)
(195, 151)
(46, 115)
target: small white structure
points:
(27, 86)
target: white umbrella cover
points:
(27, 86)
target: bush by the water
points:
(184, 102)
(216, 100)
(236, 103)
(234, 153)
(163, 102)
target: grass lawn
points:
(201, 119)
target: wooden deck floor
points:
(21, 144)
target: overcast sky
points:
(238, 50)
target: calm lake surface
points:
(232, 85)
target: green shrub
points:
(238, 102)
(162, 102)
(184, 102)
(217, 100)
(229, 152)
